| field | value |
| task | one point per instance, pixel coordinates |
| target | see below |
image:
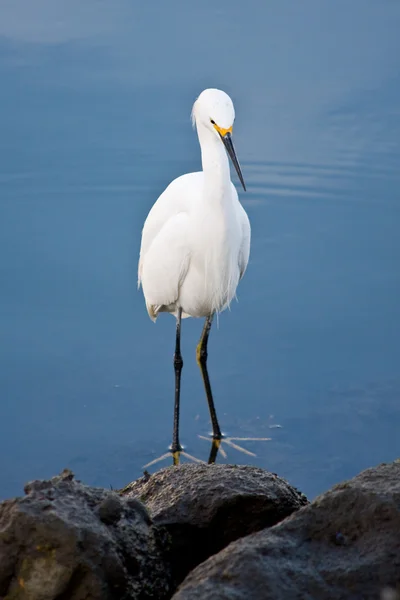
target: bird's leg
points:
(176, 448)
(201, 355)
(217, 437)
(215, 446)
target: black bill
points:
(227, 139)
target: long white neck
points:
(217, 178)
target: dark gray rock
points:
(68, 541)
(205, 507)
(345, 545)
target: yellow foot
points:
(175, 458)
(230, 441)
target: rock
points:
(205, 507)
(345, 545)
(69, 541)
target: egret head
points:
(214, 110)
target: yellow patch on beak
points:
(223, 131)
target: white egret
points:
(196, 242)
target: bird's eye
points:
(213, 122)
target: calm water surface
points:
(94, 118)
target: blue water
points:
(95, 101)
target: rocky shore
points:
(196, 532)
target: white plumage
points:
(196, 239)
(196, 243)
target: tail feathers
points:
(153, 311)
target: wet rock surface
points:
(205, 507)
(68, 541)
(345, 545)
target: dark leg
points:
(176, 448)
(201, 355)
(215, 445)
